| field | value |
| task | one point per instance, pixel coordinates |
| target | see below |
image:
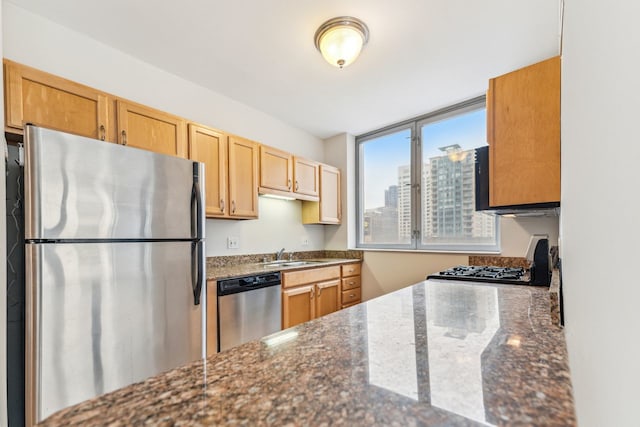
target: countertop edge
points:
(218, 273)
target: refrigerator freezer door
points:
(81, 188)
(102, 316)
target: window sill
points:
(427, 251)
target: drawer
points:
(352, 295)
(350, 283)
(311, 275)
(351, 269)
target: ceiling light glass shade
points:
(340, 40)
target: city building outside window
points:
(416, 184)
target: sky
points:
(383, 156)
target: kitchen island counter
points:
(435, 353)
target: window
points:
(416, 184)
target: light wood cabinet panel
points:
(327, 297)
(276, 171)
(142, 127)
(350, 283)
(313, 275)
(243, 177)
(328, 210)
(297, 305)
(351, 269)
(42, 99)
(351, 296)
(523, 130)
(306, 178)
(209, 146)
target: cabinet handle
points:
(319, 292)
(351, 283)
(233, 206)
(103, 133)
(352, 295)
(312, 292)
(124, 137)
(289, 184)
(297, 186)
(222, 205)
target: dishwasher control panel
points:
(243, 284)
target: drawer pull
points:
(351, 283)
(352, 295)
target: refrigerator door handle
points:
(197, 270)
(197, 202)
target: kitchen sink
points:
(289, 263)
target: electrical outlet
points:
(305, 241)
(233, 242)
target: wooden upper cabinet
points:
(306, 178)
(42, 99)
(209, 146)
(523, 131)
(142, 127)
(276, 171)
(243, 177)
(329, 209)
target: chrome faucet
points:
(279, 254)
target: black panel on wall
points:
(15, 291)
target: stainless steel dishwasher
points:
(248, 308)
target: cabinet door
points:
(143, 127)
(243, 177)
(275, 169)
(42, 99)
(297, 305)
(523, 130)
(330, 208)
(327, 297)
(209, 146)
(306, 178)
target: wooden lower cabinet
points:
(297, 305)
(310, 293)
(327, 297)
(351, 284)
(315, 292)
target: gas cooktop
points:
(508, 275)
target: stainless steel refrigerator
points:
(114, 260)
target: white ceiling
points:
(422, 54)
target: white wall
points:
(600, 205)
(280, 226)
(45, 45)
(339, 151)
(3, 266)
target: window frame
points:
(416, 164)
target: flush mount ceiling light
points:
(341, 39)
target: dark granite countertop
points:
(237, 270)
(436, 353)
